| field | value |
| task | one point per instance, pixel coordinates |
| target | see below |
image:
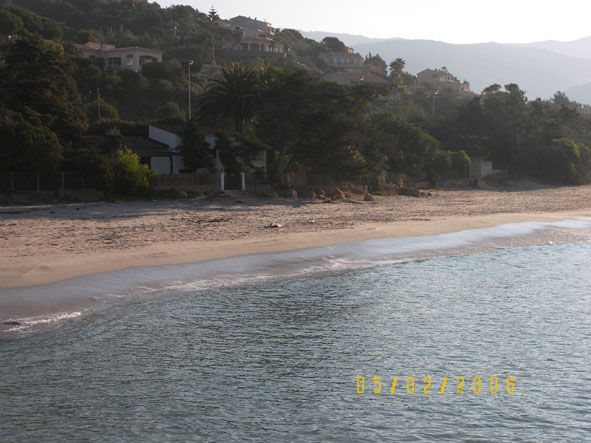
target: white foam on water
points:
(26, 324)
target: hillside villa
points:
(132, 58)
(257, 35)
(343, 60)
(357, 77)
(349, 69)
(441, 79)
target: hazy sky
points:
(454, 21)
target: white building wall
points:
(177, 164)
(480, 168)
(160, 164)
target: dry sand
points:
(43, 244)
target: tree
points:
(9, 23)
(170, 111)
(406, 147)
(34, 23)
(560, 99)
(311, 124)
(232, 99)
(564, 161)
(26, 144)
(84, 36)
(108, 111)
(213, 25)
(377, 63)
(195, 149)
(38, 76)
(237, 151)
(396, 70)
(333, 44)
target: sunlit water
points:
(279, 359)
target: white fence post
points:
(222, 180)
(243, 175)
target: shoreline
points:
(33, 273)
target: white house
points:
(172, 140)
(257, 35)
(120, 58)
(168, 135)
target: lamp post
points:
(434, 94)
(190, 63)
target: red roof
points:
(364, 77)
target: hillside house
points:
(257, 35)
(441, 79)
(342, 60)
(132, 58)
(168, 135)
(154, 154)
(210, 72)
(357, 77)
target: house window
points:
(114, 61)
(129, 60)
(147, 59)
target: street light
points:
(434, 94)
(190, 63)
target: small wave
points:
(27, 323)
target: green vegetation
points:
(195, 149)
(122, 174)
(50, 98)
(545, 139)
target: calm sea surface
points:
(280, 359)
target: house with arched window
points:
(120, 58)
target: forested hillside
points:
(50, 97)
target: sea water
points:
(493, 345)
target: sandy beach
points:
(49, 243)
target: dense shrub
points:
(122, 174)
(170, 111)
(26, 144)
(108, 111)
(564, 161)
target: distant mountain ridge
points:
(348, 39)
(580, 48)
(540, 68)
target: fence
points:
(187, 181)
(301, 179)
(15, 182)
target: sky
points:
(452, 21)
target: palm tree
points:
(396, 68)
(232, 98)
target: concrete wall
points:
(480, 168)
